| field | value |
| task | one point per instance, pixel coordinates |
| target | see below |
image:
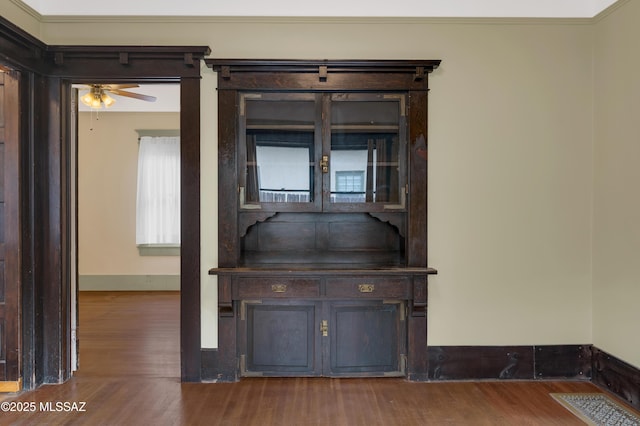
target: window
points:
(158, 192)
(350, 185)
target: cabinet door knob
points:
(324, 164)
(324, 328)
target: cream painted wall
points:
(511, 165)
(509, 186)
(510, 158)
(209, 211)
(616, 286)
(107, 175)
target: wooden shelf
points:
(311, 269)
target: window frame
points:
(159, 249)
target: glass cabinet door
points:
(367, 151)
(278, 151)
(322, 152)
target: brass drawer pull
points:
(279, 288)
(366, 288)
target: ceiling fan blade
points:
(133, 95)
(119, 86)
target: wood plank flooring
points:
(130, 375)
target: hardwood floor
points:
(130, 375)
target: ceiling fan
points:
(98, 94)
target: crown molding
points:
(609, 10)
(28, 10)
(151, 19)
(459, 8)
(139, 19)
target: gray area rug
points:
(597, 409)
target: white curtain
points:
(158, 203)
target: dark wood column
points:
(51, 217)
(190, 228)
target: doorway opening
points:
(119, 280)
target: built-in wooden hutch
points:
(322, 222)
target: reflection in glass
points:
(365, 146)
(365, 151)
(280, 149)
(280, 167)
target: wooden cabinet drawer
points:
(246, 288)
(369, 286)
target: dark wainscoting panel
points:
(617, 377)
(563, 361)
(480, 362)
(509, 362)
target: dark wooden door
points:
(365, 338)
(280, 338)
(10, 379)
(328, 338)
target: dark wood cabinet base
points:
(332, 323)
(321, 338)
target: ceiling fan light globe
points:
(87, 99)
(107, 100)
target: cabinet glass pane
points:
(366, 153)
(279, 150)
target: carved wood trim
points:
(396, 220)
(411, 67)
(248, 219)
(317, 75)
(102, 62)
